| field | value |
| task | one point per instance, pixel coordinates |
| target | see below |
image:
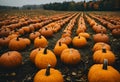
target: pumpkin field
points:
(67, 46)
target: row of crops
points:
(68, 47)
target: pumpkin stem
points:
(60, 44)
(17, 38)
(46, 29)
(78, 37)
(40, 36)
(104, 50)
(3, 38)
(45, 50)
(105, 64)
(47, 73)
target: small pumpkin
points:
(103, 73)
(48, 75)
(17, 44)
(79, 41)
(44, 58)
(100, 55)
(84, 34)
(34, 53)
(67, 40)
(40, 41)
(12, 36)
(59, 47)
(116, 32)
(47, 32)
(70, 56)
(27, 41)
(10, 59)
(34, 35)
(100, 37)
(100, 45)
(4, 41)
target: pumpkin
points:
(100, 37)
(4, 32)
(79, 41)
(59, 47)
(47, 32)
(33, 54)
(27, 41)
(4, 42)
(100, 45)
(40, 41)
(12, 36)
(10, 59)
(17, 44)
(66, 34)
(70, 56)
(103, 73)
(48, 75)
(44, 58)
(116, 32)
(102, 54)
(34, 35)
(84, 34)
(67, 40)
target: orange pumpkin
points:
(17, 44)
(34, 35)
(10, 59)
(4, 42)
(59, 47)
(100, 37)
(48, 75)
(40, 41)
(84, 34)
(70, 56)
(47, 32)
(67, 40)
(34, 53)
(100, 55)
(27, 41)
(116, 32)
(44, 58)
(79, 41)
(103, 73)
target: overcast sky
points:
(28, 2)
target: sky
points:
(30, 2)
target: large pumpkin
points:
(102, 54)
(48, 75)
(59, 47)
(44, 58)
(84, 34)
(70, 56)
(79, 41)
(10, 59)
(103, 73)
(47, 32)
(40, 41)
(100, 45)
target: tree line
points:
(100, 5)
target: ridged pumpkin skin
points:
(70, 56)
(17, 44)
(100, 45)
(59, 47)
(67, 40)
(100, 37)
(79, 41)
(55, 76)
(40, 41)
(43, 59)
(10, 59)
(99, 56)
(98, 74)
